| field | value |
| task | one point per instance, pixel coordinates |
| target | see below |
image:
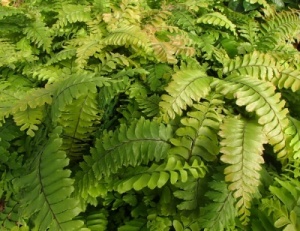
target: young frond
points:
(47, 189)
(220, 213)
(242, 147)
(186, 86)
(217, 19)
(260, 97)
(198, 134)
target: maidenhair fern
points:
(149, 115)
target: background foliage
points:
(149, 115)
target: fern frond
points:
(190, 194)
(149, 105)
(294, 131)
(136, 224)
(186, 86)
(260, 97)
(158, 76)
(66, 53)
(198, 134)
(29, 119)
(75, 86)
(9, 215)
(97, 220)
(217, 19)
(70, 13)
(77, 120)
(110, 61)
(47, 189)
(87, 47)
(279, 28)
(156, 176)
(242, 147)
(220, 213)
(39, 34)
(128, 36)
(284, 206)
(259, 65)
(141, 142)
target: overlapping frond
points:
(47, 189)
(186, 87)
(294, 132)
(197, 135)
(242, 147)
(260, 97)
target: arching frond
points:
(186, 86)
(260, 97)
(242, 147)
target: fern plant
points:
(149, 115)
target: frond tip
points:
(242, 147)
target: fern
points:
(47, 199)
(244, 157)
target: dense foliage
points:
(149, 115)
